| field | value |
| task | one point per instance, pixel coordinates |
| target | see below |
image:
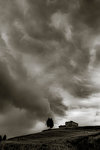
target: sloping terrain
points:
(56, 139)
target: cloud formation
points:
(49, 61)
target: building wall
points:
(71, 124)
(62, 126)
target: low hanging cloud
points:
(48, 50)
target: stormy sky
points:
(49, 63)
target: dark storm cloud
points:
(25, 94)
(21, 95)
(46, 45)
(16, 122)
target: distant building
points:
(62, 126)
(69, 124)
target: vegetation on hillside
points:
(3, 138)
(50, 123)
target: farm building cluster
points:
(69, 124)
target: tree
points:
(0, 138)
(4, 137)
(50, 122)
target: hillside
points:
(81, 138)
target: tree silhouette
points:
(50, 122)
(4, 137)
(0, 138)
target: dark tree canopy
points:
(0, 138)
(4, 137)
(50, 122)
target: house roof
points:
(70, 122)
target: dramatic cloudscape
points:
(49, 63)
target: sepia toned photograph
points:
(49, 74)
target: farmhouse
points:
(69, 124)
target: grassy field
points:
(56, 139)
